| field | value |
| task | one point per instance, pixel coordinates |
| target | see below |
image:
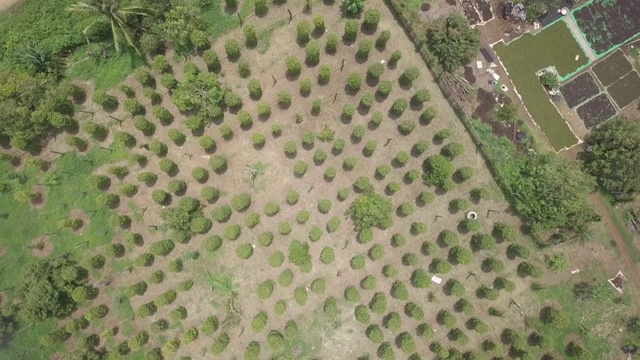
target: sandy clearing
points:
(6, 4)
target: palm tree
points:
(118, 17)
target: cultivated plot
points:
(612, 68)
(625, 90)
(596, 111)
(608, 23)
(524, 56)
(579, 89)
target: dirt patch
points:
(596, 111)
(41, 199)
(41, 247)
(3, 251)
(579, 89)
(7, 4)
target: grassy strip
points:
(523, 57)
(584, 319)
(627, 237)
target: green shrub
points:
(302, 217)
(384, 88)
(276, 259)
(244, 251)
(303, 32)
(358, 262)
(333, 224)
(493, 264)
(395, 57)
(354, 81)
(211, 59)
(338, 145)
(399, 291)
(383, 38)
(440, 266)
(349, 163)
(290, 148)
(482, 242)
(133, 107)
(420, 279)
(293, 65)
(343, 193)
(376, 252)
(389, 271)
(318, 286)
(364, 48)
(362, 314)
(528, 269)
(350, 30)
(374, 333)
(209, 326)
(220, 344)
(300, 168)
(300, 296)
(378, 303)
(265, 289)
(232, 232)
(393, 321)
(312, 51)
(232, 49)
(105, 100)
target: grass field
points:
(528, 54)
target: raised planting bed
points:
(579, 89)
(612, 68)
(625, 90)
(596, 111)
(470, 12)
(524, 56)
(608, 23)
(484, 8)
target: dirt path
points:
(632, 272)
(6, 4)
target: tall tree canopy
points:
(46, 287)
(29, 106)
(614, 157)
(454, 42)
(552, 193)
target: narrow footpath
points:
(578, 35)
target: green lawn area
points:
(523, 57)
(71, 173)
(586, 317)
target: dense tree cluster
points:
(613, 156)
(46, 288)
(454, 42)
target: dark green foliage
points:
(399, 291)
(528, 269)
(371, 210)
(395, 57)
(454, 287)
(454, 42)
(332, 43)
(399, 106)
(410, 75)
(613, 151)
(517, 250)
(232, 49)
(383, 38)
(364, 47)
(460, 255)
(371, 19)
(437, 170)
(362, 314)
(482, 242)
(354, 81)
(452, 150)
(552, 193)
(374, 333)
(420, 279)
(420, 97)
(293, 65)
(378, 303)
(46, 288)
(350, 29)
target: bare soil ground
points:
(7, 4)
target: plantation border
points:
(415, 30)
